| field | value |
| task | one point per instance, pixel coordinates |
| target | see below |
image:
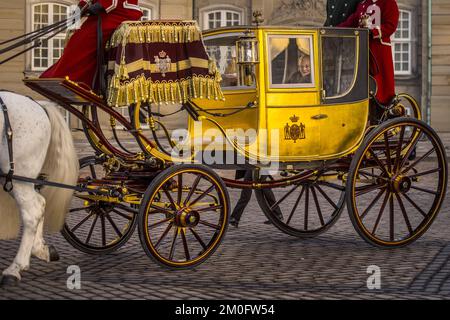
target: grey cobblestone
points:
(255, 261)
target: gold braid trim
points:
(141, 90)
(155, 32)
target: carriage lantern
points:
(247, 58)
(247, 49)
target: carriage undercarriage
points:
(182, 209)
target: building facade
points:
(420, 45)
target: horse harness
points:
(8, 186)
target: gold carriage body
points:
(322, 119)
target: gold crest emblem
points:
(295, 131)
(163, 63)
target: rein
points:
(37, 37)
(8, 186)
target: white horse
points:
(42, 144)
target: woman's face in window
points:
(304, 66)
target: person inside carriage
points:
(381, 17)
(80, 58)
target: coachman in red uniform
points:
(383, 21)
(79, 59)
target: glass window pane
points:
(291, 62)
(339, 64)
(223, 52)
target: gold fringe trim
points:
(140, 90)
(155, 31)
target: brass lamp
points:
(247, 58)
(247, 49)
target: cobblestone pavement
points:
(255, 261)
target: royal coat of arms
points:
(163, 63)
(295, 131)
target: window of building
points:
(221, 18)
(50, 51)
(402, 44)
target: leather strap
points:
(8, 186)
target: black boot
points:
(234, 222)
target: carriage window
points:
(223, 51)
(292, 62)
(339, 65)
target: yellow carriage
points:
(293, 105)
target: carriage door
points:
(344, 109)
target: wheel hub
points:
(401, 184)
(187, 218)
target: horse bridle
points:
(8, 186)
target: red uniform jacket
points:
(79, 59)
(382, 66)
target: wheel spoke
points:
(415, 205)
(327, 197)
(364, 173)
(378, 161)
(122, 214)
(128, 209)
(193, 188)
(387, 151)
(199, 239)
(82, 222)
(202, 195)
(410, 150)
(210, 208)
(295, 206)
(159, 223)
(391, 218)
(169, 196)
(415, 163)
(169, 227)
(420, 174)
(284, 197)
(102, 223)
(399, 149)
(185, 245)
(425, 190)
(158, 209)
(405, 215)
(208, 224)
(172, 248)
(91, 230)
(319, 211)
(332, 185)
(306, 207)
(113, 224)
(180, 188)
(366, 189)
(383, 206)
(372, 204)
